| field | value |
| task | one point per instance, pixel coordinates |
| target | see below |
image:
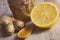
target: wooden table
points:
(39, 34)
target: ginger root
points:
(10, 24)
(18, 24)
(7, 24)
(5, 19)
(10, 28)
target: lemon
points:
(25, 32)
(45, 14)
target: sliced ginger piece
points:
(25, 32)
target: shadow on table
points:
(17, 38)
(36, 29)
(3, 32)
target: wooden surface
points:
(38, 34)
